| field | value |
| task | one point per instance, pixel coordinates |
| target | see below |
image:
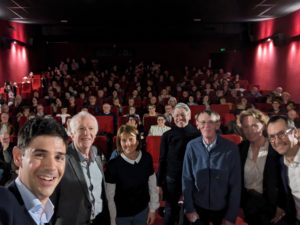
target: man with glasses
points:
(284, 138)
(80, 197)
(211, 179)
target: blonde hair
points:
(255, 113)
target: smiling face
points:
(281, 138)
(41, 165)
(129, 144)
(84, 134)
(181, 117)
(252, 128)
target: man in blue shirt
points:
(40, 158)
(211, 180)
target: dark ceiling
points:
(86, 16)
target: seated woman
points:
(160, 128)
(5, 125)
(261, 187)
(131, 182)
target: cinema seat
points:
(153, 147)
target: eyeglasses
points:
(202, 123)
(281, 135)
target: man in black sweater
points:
(172, 150)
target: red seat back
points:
(220, 108)
(101, 144)
(105, 124)
(232, 137)
(227, 117)
(153, 147)
(194, 110)
(148, 121)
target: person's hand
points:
(151, 217)
(280, 213)
(192, 216)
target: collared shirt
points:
(209, 147)
(93, 178)
(40, 214)
(294, 179)
(131, 161)
(254, 170)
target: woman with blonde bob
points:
(261, 187)
(131, 181)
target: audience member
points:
(160, 128)
(5, 125)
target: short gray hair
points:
(184, 106)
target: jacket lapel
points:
(76, 167)
(13, 189)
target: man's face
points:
(84, 134)
(281, 138)
(41, 165)
(207, 126)
(181, 117)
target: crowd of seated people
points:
(141, 90)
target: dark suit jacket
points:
(289, 200)
(71, 198)
(12, 208)
(272, 184)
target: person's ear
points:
(17, 156)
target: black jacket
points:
(12, 208)
(71, 197)
(272, 183)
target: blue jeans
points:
(138, 219)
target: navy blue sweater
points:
(212, 180)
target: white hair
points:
(75, 120)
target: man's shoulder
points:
(195, 140)
(12, 211)
(9, 200)
(6, 194)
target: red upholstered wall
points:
(14, 60)
(271, 65)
